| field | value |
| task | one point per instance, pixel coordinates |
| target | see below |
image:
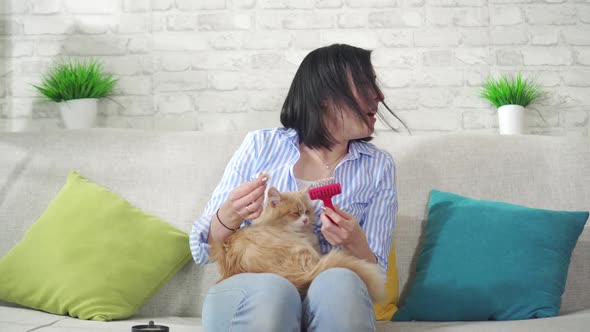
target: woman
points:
(328, 117)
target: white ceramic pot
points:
(511, 119)
(79, 113)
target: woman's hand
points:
(244, 202)
(341, 228)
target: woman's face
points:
(344, 124)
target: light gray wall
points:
(227, 64)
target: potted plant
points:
(76, 87)
(511, 95)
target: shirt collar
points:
(288, 132)
(360, 147)
(355, 148)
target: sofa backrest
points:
(172, 175)
(168, 174)
(537, 171)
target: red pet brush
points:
(325, 190)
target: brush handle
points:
(328, 202)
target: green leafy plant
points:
(69, 80)
(508, 90)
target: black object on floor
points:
(150, 327)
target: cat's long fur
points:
(282, 241)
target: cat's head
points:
(290, 209)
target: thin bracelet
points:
(222, 224)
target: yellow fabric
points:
(385, 309)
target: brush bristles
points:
(323, 183)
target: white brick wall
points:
(220, 65)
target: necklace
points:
(326, 164)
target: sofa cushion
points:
(13, 319)
(92, 255)
(484, 260)
(574, 322)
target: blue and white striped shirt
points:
(366, 175)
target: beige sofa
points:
(171, 175)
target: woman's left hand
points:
(340, 228)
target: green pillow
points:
(484, 260)
(92, 255)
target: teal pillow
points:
(484, 260)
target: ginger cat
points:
(282, 241)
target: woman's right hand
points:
(245, 201)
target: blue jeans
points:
(337, 300)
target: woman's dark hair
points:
(324, 75)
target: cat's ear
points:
(274, 196)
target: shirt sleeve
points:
(381, 214)
(238, 170)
